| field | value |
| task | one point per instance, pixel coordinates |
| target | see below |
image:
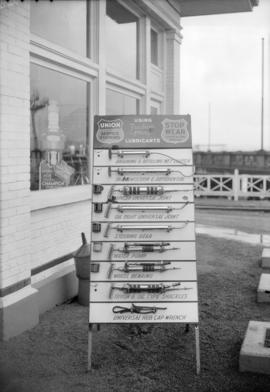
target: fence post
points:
(236, 184)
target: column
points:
(172, 77)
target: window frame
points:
(128, 93)
(129, 8)
(60, 59)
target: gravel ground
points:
(53, 355)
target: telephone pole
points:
(262, 97)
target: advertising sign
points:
(143, 251)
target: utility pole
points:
(262, 98)
(209, 126)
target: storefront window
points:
(121, 40)
(61, 22)
(118, 103)
(154, 47)
(59, 129)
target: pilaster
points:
(172, 66)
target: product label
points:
(109, 131)
(142, 131)
(175, 131)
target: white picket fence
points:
(232, 185)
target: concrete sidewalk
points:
(225, 204)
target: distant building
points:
(247, 162)
(61, 63)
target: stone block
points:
(263, 291)
(266, 258)
(254, 356)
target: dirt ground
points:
(52, 357)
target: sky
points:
(220, 78)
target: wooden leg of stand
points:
(89, 364)
(197, 343)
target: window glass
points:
(59, 129)
(118, 103)
(154, 47)
(121, 40)
(154, 110)
(62, 22)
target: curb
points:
(233, 208)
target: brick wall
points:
(57, 231)
(14, 142)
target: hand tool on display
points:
(142, 247)
(136, 207)
(122, 153)
(157, 288)
(136, 190)
(144, 153)
(122, 228)
(147, 170)
(137, 309)
(129, 266)
(148, 190)
(141, 190)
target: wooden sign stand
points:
(143, 257)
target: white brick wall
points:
(57, 231)
(14, 142)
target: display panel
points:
(143, 251)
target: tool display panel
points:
(174, 291)
(136, 251)
(167, 231)
(143, 175)
(151, 312)
(130, 271)
(144, 212)
(143, 251)
(159, 157)
(143, 193)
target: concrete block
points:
(56, 289)
(19, 314)
(266, 258)
(254, 357)
(263, 292)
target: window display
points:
(59, 129)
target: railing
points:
(232, 185)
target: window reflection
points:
(118, 103)
(62, 22)
(59, 129)
(154, 110)
(121, 40)
(154, 47)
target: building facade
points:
(62, 62)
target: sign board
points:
(143, 229)
(142, 131)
